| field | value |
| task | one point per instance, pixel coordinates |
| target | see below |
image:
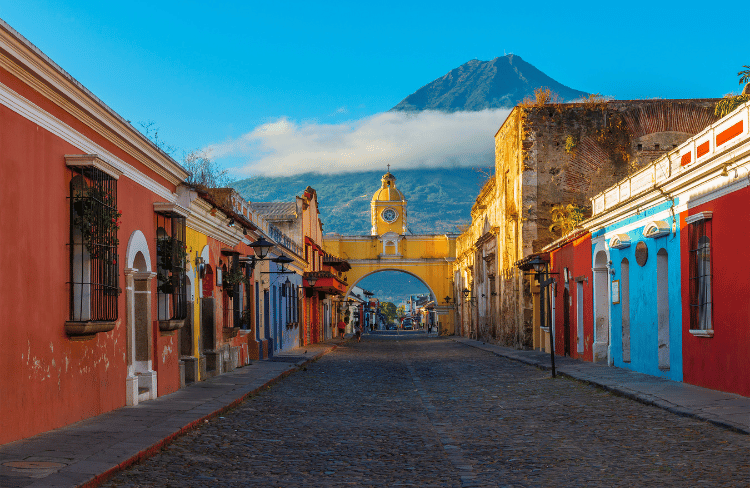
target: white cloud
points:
(403, 140)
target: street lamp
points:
(466, 293)
(540, 267)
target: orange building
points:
(85, 201)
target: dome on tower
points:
(388, 191)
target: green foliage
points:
(401, 311)
(234, 277)
(565, 218)
(570, 145)
(389, 310)
(172, 258)
(744, 75)
(97, 218)
(729, 103)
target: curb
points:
(154, 449)
(631, 395)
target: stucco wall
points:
(644, 342)
(721, 362)
(52, 380)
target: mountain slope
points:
(477, 85)
(439, 199)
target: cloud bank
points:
(403, 140)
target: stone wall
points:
(556, 154)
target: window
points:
(171, 260)
(94, 222)
(699, 240)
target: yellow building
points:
(391, 246)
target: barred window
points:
(171, 256)
(699, 238)
(94, 222)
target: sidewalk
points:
(724, 409)
(86, 452)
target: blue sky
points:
(227, 75)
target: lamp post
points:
(540, 267)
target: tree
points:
(401, 311)
(153, 133)
(566, 218)
(730, 102)
(389, 311)
(204, 171)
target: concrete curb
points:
(154, 449)
(644, 397)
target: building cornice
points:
(201, 220)
(27, 63)
(43, 119)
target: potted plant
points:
(98, 224)
(172, 253)
(234, 278)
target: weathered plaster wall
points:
(644, 343)
(560, 154)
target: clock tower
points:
(388, 208)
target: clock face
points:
(389, 215)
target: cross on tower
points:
(389, 168)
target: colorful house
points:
(83, 194)
(570, 297)
(636, 262)
(668, 286)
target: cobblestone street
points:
(433, 412)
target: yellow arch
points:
(353, 284)
(428, 258)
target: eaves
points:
(27, 63)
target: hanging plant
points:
(98, 220)
(234, 277)
(167, 282)
(172, 253)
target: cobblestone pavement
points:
(432, 412)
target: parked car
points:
(407, 324)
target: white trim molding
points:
(619, 241)
(92, 161)
(168, 207)
(690, 219)
(30, 111)
(656, 228)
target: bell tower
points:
(388, 208)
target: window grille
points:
(699, 237)
(171, 258)
(94, 221)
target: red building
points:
(571, 295)
(81, 193)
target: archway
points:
(141, 379)
(401, 294)
(601, 306)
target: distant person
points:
(342, 328)
(358, 332)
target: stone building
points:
(547, 155)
